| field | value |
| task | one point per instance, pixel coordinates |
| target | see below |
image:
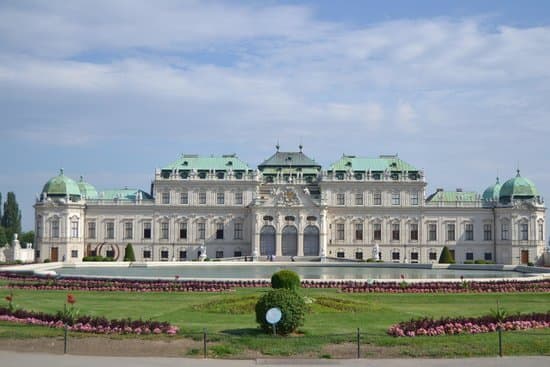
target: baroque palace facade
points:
(290, 208)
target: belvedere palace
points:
(288, 208)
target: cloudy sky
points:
(113, 89)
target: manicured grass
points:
(334, 318)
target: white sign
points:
(273, 315)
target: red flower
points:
(70, 299)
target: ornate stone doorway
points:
(311, 241)
(290, 241)
(267, 241)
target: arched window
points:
(290, 241)
(267, 241)
(311, 241)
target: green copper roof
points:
(123, 194)
(519, 187)
(87, 190)
(453, 196)
(193, 161)
(61, 186)
(289, 159)
(492, 192)
(363, 164)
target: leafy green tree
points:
(129, 253)
(0, 205)
(11, 220)
(445, 257)
(285, 279)
(3, 237)
(293, 309)
(27, 237)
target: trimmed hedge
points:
(292, 306)
(445, 257)
(285, 279)
(129, 253)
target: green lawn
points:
(334, 318)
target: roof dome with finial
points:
(517, 188)
(492, 193)
(87, 190)
(62, 186)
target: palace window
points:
(541, 232)
(414, 232)
(164, 231)
(451, 236)
(487, 232)
(183, 230)
(395, 256)
(91, 230)
(377, 198)
(433, 256)
(74, 229)
(147, 230)
(146, 254)
(488, 256)
(219, 231)
(504, 231)
(340, 231)
(523, 232)
(164, 255)
(469, 256)
(414, 257)
(183, 255)
(340, 199)
(219, 254)
(469, 232)
(109, 230)
(237, 253)
(377, 232)
(201, 227)
(166, 198)
(202, 197)
(395, 198)
(359, 199)
(238, 231)
(238, 198)
(395, 231)
(432, 232)
(359, 231)
(128, 230)
(220, 198)
(414, 198)
(184, 198)
(55, 228)
(359, 255)
(340, 254)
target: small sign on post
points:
(273, 316)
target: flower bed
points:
(471, 325)
(88, 324)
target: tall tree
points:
(11, 220)
(0, 205)
(3, 238)
(27, 237)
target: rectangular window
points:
(340, 254)
(219, 231)
(432, 232)
(451, 232)
(39, 227)
(340, 199)
(219, 254)
(183, 254)
(414, 232)
(110, 230)
(201, 230)
(74, 229)
(128, 230)
(166, 198)
(523, 232)
(202, 197)
(504, 231)
(541, 232)
(147, 230)
(469, 256)
(488, 256)
(238, 198)
(74, 253)
(377, 232)
(395, 256)
(469, 232)
(414, 257)
(487, 232)
(146, 254)
(414, 198)
(110, 253)
(91, 230)
(238, 231)
(395, 198)
(220, 198)
(395, 232)
(164, 231)
(359, 199)
(377, 198)
(358, 256)
(55, 228)
(237, 253)
(184, 198)
(359, 231)
(183, 230)
(433, 256)
(164, 255)
(340, 231)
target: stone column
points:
(323, 228)
(256, 228)
(278, 242)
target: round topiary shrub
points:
(285, 279)
(292, 306)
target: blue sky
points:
(112, 90)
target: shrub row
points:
(88, 324)
(469, 325)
